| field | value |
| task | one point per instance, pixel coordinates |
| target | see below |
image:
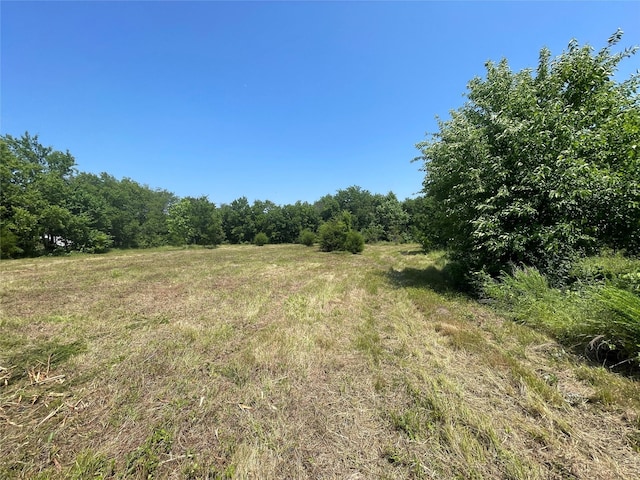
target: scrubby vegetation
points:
(307, 237)
(261, 239)
(338, 234)
(534, 177)
(540, 168)
(598, 315)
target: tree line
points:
(47, 206)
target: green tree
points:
(426, 223)
(391, 218)
(539, 167)
(34, 191)
(238, 221)
(195, 221)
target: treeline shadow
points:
(449, 279)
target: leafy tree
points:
(195, 221)
(34, 186)
(238, 222)
(426, 223)
(391, 218)
(537, 168)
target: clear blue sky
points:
(283, 101)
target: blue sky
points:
(282, 101)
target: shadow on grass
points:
(412, 252)
(446, 280)
(49, 353)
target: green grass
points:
(598, 317)
(286, 362)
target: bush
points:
(101, 242)
(308, 238)
(354, 242)
(537, 167)
(333, 235)
(261, 239)
(336, 234)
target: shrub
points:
(336, 234)
(536, 168)
(261, 239)
(354, 242)
(101, 242)
(308, 238)
(333, 235)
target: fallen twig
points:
(50, 379)
(172, 459)
(51, 414)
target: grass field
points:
(285, 362)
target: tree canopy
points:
(48, 207)
(538, 167)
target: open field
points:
(284, 362)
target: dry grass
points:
(284, 362)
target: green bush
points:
(333, 235)
(337, 234)
(307, 237)
(101, 242)
(354, 242)
(261, 239)
(537, 167)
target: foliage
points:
(261, 239)
(307, 237)
(378, 217)
(600, 318)
(354, 242)
(195, 221)
(427, 224)
(47, 207)
(538, 169)
(337, 234)
(333, 235)
(611, 268)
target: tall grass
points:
(599, 314)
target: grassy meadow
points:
(284, 362)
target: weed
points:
(144, 461)
(89, 464)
